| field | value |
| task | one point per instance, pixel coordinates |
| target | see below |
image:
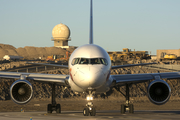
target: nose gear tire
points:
(86, 111)
(93, 112)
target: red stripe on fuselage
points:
(71, 74)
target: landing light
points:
(89, 98)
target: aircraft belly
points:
(105, 87)
(74, 87)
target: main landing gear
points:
(53, 106)
(89, 109)
(127, 106)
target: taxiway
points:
(101, 115)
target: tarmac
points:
(100, 115)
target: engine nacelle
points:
(159, 92)
(21, 91)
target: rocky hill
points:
(30, 52)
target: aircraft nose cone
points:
(91, 77)
(94, 79)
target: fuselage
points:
(89, 68)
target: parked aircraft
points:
(89, 71)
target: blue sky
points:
(135, 24)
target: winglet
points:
(91, 24)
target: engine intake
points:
(21, 91)
(159, 92)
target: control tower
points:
(61, 35)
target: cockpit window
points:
(95, 61)
(89, 61)
(84, 61)
(75, 61)
(103, 61)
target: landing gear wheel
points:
(131, 108)
(58, 108)
(93, 112)
(86, 111)
(49, 108)
(123, 108)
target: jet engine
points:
(159, 92)
(21, 91)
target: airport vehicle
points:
(136, 54)
(59, 57)
(55, 57)
(169, 57)
(12, 57)
(89, 72)
(127, 54)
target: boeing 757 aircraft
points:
(89, 71)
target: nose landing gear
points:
(89, 109)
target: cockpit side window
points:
(103, 61)
(75, 61)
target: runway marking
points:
(110, 117)
(77, 115)
(71, 114)
(123, 114)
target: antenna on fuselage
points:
(91, 24)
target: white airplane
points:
(89, 71)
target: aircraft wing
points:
(47, 64)
(138, 78)
(131, 65)
(40, 77)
